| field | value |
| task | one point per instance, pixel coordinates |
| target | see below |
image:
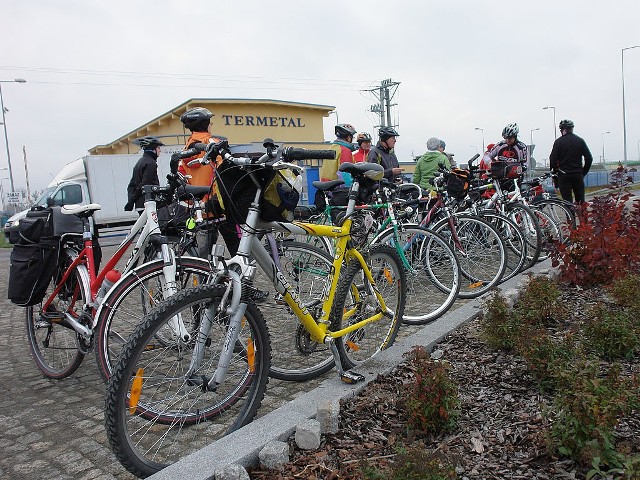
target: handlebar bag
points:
(31, 269)
(504, 167)
(281, 195)
(458, 182)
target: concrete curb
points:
(242, 446)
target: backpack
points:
(280, 195)
(458, 183)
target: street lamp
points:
(624, 113)
(4, 123)
(482, 130)
(603, 134)
(336, 112)
(555, 127)
(533, 130)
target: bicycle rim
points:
(355, 300)
(295, 356)
(154, 415)
(527, 222)
(432, 272)
(52, 341)
(132, 298)
(514, 241)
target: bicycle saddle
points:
(372, 171)
(80, 210)
(326, 186)
(188, 192)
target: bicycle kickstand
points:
(346, 376)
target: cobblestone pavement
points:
(55, 429)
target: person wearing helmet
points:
(442, 148)
(485, 162)
(145, 172)
(364, 145)
(510, 147)
(428, 164)
(383, 153)
(566, 160)
(344, 148)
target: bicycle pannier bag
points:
(31, 269)
(38, 223)
(280, 195)
(458, 182)
(504, 167)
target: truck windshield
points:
(42, 199)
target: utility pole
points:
(26, 172)
(384, 93)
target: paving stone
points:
(329, 415)
(274, 455)
(308, 435)
(231, 472)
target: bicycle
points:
(61, 329)
(168, 397)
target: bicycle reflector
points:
(136, 390)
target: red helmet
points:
(490, 146)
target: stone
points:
(231, 472)
(328, 415)
(274, 455)
(308, 435)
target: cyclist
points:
(510, 147)
(145, 172)
(364, 145)
(427, 165)
(565, 160)
(344, 152)
(383, 153)
(442, 148)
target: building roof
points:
(192, 102)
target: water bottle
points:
(110, 279)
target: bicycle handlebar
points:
(291, 153)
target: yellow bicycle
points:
(168, 398)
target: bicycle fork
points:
(169, 288)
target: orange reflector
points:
(195, 281)
(251, 356)
(387, 275)
(136, 390)
(352, 346)
(476, 285)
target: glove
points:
(128, 207)
(173, 164)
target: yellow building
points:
(242, 121)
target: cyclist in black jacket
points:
(145, 172)
(566, 160)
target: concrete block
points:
(231, 472)
(510, 296)
(274, 455)
(554, 274)
(329, 415)
(308, 435)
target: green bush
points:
(539, 303)
(431, 400)
(500, 328)
(414, 464)
(611, 334)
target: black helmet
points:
(344, 130)
(385, 132)
(148, 142)
(564, 124)
(363, 137)
(196, 119)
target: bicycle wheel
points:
(355, 300)
(514, 241)
(294, 355)
(551, 233)
(52, 340)
(561, 212)
(154, 414)
(527, 222)
(480, 251)
(431, 268)
(132, 298)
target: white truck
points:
(99, 179)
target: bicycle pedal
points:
(351, 377)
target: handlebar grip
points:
(291, 153)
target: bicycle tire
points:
(551, 233)
(159, 429)
(132, 298)
(482, 253)
(526, 220)
(561, 212)
(432, 271)
(294, 356)
(514, 241)
(53, 343)
(355, 296)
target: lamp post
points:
(624, 113)
(555, 127)
(603, 134)
(4, 124)
(533, 130)
(337, 118)
(482, 130)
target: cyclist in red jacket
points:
(364, 145)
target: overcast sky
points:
(97, 70)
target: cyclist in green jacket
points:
(427, 166)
